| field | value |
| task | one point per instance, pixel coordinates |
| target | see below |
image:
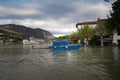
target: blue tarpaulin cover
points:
(60, 43)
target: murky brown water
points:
(25, 63)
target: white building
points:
(32, 41)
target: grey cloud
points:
(53, 15)
(41, 9)
(18, 12)
(57, 11)
(49, 9)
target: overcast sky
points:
(57, 16)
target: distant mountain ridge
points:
(26, 31)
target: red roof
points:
(90, 22)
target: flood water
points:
(24, 63)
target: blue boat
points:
(64, 45)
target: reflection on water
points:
(24, 63)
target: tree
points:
(85, 33)
(101, 30)
(64, 37)
(113, 22)
(74, 37)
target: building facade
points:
(98, 23)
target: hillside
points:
(25, 31)
(8, 31)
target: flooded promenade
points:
(24, 63)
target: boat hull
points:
(59, 48)
(70, 47)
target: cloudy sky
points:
(57, 16)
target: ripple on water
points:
(25, 63)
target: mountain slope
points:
(26, 31)
(8, 31)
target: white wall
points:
(116, 38)
(92, 26)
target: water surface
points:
(24, 63)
